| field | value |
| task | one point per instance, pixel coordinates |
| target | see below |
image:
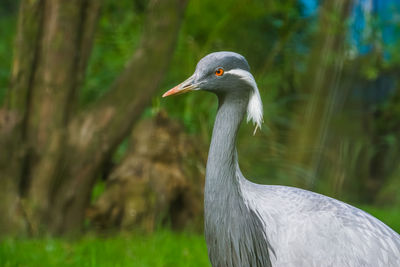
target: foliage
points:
(277, 39)
(118, 34)
(7, 32)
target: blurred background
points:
(96, 169)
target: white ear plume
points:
(254, 107)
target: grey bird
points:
(248, 224)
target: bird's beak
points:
(186, 86)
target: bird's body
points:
(247, 224)
(310, 229)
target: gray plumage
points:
(247, 224)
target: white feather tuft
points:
(255, 110)
(254, 107)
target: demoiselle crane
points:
(248, 224)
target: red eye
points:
(219, 72)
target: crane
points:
(248, 224)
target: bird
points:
(248, 224)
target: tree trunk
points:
(57, 151)
(10, 164)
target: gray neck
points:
(222, 156)
(232, 230)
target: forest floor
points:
(162, 248)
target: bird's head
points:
(225, 73)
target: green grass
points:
(164, 248)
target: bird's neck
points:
(221, 178)
(231, 228)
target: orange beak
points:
(184, 87)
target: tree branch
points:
(94, 134)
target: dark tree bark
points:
(57, 152)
